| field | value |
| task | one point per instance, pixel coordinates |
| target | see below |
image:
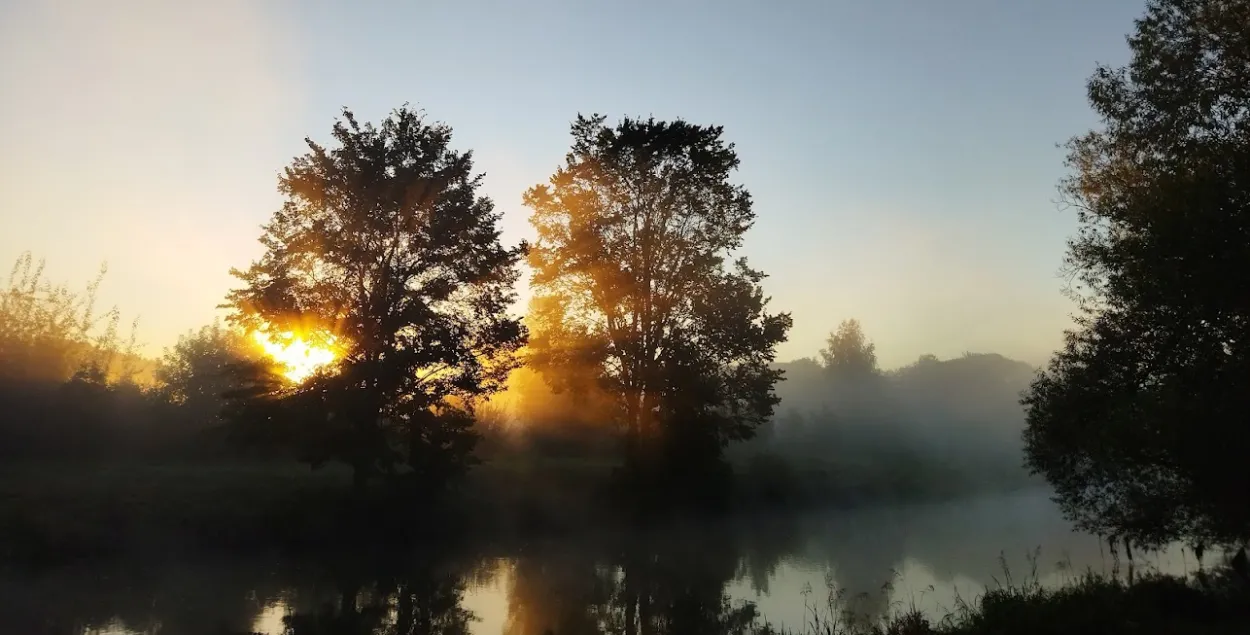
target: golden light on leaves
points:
(299, 356)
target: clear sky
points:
(901, 153)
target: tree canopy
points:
(848, 353)
(385, 251)
(199, 371)
(1140, 420)
(635, 286)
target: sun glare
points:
(298, 357)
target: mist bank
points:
(934, 429)
(939, 427)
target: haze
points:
(902, 156)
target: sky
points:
(902, 154)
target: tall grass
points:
(50, 332)
(1208, 602)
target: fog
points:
(843, 431)
(922, 555)
(944, 427)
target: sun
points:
(299, 357)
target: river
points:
(683, 578)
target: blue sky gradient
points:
(902, 154)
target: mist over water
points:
(883, 558)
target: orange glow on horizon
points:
(298, 356)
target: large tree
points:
(634, 286)
(1142, 421)
(385, 249)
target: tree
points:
(632, 281)
(1140, 420)
(385, 250)
(198, 372)
(848, 354)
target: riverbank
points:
(53, 512)
(68, 511)
(1216, 602)
(572, 590)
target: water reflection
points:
(691, 578)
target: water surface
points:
(705, 577)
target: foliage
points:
(47, 331)
(1096, 604)
(634, 289)
(384, 243)
(200, 370)
(1090, 603)
(848, 353)
(1139, 422)
(70, 386)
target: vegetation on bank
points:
(1208, 602)
(55, 513)
(90, 511)
(1139, 422)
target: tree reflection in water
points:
(689, 577)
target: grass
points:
(1214, 603)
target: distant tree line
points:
(857, 433)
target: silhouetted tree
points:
(632, 281)
(384, 243)
(848, 354)
(852, 380)
(197, 372)
(1140, 422)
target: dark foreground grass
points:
(1216, 603)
